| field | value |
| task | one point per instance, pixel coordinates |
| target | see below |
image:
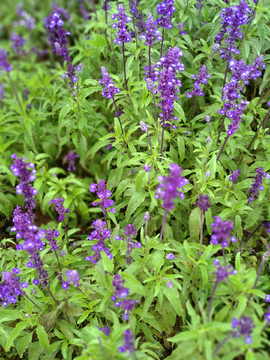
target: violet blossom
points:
(221, 231)
(59, 208)
(128, 343)
(241, 327)
(235, 175)
(73, 277)
(4, 64)
(10, 288)
(165, 9)
(200, 79)
(203, 202)
(104, 195)
(122, 34)
(131, 244)
(257, 184)
(17, 43)
(71, 160)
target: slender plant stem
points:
(163, 224)
(155, 106)
(221, 127)
(265, 326)
(14, 90)
(223, 252)
(102, 349)
(150, 143)
(192, 110)
(146, 225)
(65, 227)
(134, 27)
(105, 216)
(162, 42)
(221, 344)
(124, 63)
(149, 55)
(33, 302)
(222, 148)
(201, 237)
(162, 136)
(225, 76)
(117, 114)
(133, 354)
(257, 228)
(58, 260)
(262, 97)
(51, 294)
(211, 300)
(186, 7)
(257, 278)
(256, 134)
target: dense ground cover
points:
(134, 167)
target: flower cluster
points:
(128, 343)
(232, 18)
(104, 195)
(223, 272)
(71, 74)
(257, 184)
(71, 160)
(168, 189)
(74, 277)
(180, 27)
(203, 202)
(58, 205)
(20, 168)
(168, 85)
(122, 34)
(236, 117)
(84, 12)
(25, 19)
(100, 233)
(266, 224)
(10, 288)
(136, 14)
(165, 9)
(242, 327)
(4, 64)
(131, 244)
(121, 292)
(235, 175)
(27, 231)
(150, 32)
(106, 330)
(221, 230)
(38, 264)
(50, 237)
(17, 43)
(106, 6)
(57, 35)
(202, 78)
(106, 81)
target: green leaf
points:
(35, 350)
(135, 201)
(181, 147)
(23, 344)
(64, 111)
(133, 284)
(173, 296)
(253, 217)
(204, 274)
(187, 335)
(42, 336)
(15, 333)
(107, 263)
(195, 223)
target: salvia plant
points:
(134, 180)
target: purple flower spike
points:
(17, 43)
(119, 290)
(223, 272)
(147, 168)
(128, 343)
(203, 202)
(165, 9)
(221, 230)
(131, 244)
(257, 184)
(4, 65)
(202, 78)
(104, 195)
(107, 82)
(122, 34)
(50, 237)
(168, 188)
(170, 256)
(100, 233)
(71, 160)
(267, 315)
(242, 327)
(58, 205)
(235, 175)
(151, 33)
(10, 288)
(106, 330)
(74, 277)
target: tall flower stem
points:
(186, 7)
(14, 90)
(221, 344)
(192, 111)
(58, 260)
(134, 28)
(124, 62)
(149, 55)
(33, 302)
(225, 76)
(65, 227)
(150, 143)
(222, 148)
(117, 115)
(262, 97)
(223, 252)
(51, 295)
(155, 107)
(250, 236)
(221, 127)
(146, 225)
(211, 300)
(105, 216)
(264, 259)
(162, 136)
(162, 42)
(256, 134)
(163, 224)
(201, 236)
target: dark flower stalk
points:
(145, 128)
(204, 205)
(58, 205)
(262, 97)
(123, 35)
(131, 244)
(261, 124)
(222, 148)
(168, 190)
(151, 87)
(146, 219)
